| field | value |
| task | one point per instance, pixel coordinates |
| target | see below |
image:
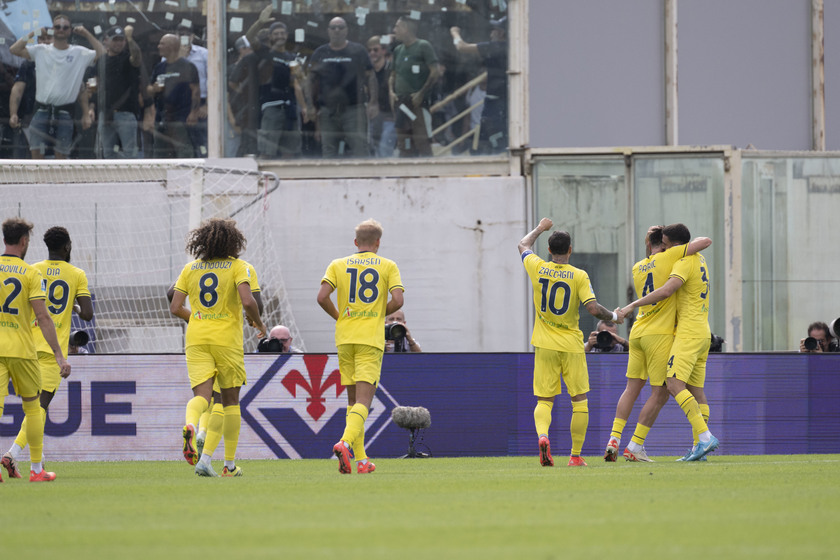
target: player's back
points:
(64, 282)
(692, 297)
(559, 291)
(19, 283)
(362, 282)
(212, 287)
(648, 275)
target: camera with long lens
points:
(270, 346)
(79, 338)
(604, 340)
(717, 343)
(811, 344)
(394, 331)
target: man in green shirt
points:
(416, 70)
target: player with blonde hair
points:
(363, 281)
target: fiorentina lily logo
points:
(297, 406)
(318, 383)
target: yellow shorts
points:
(50, 372)
(216, 388)
(359, 362)
(649, 358)
(25, 375)
(206, 361)
(688, 360)
(551, 365)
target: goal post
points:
(128, 221)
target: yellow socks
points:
(232, 425)
(204, 420)
(689, 406)
(618, 428)
(542, 417)
(34, 429)
(215, 426)
(195, 408)
(640, 434)
(580, 421)
(355, 423)
(359, 445)
(704, 411)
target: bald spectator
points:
(279, 340)
(342, 86)
(405, 343)
(175, 87)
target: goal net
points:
(128, 222)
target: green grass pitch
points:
(499, 507)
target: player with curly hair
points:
(218, 284)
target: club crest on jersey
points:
(298, 405)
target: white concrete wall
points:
(454, 240)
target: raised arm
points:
(460, 45)
(527, 242)
(94, 42)
(18, 48)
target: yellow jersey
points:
(64, 283)
(20, 283)
(648, 275)
(362, 282)
(216, 308)
(559, 291)
(693, 297)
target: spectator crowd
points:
(409, 91)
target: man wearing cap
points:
(198, 56)
(492, 137)
(119, 94)
(59, 70)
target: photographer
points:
(278, 341)
(818, 339)
(605, 339)
(399, 339)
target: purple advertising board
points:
(129, 407)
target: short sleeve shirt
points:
(20, 283)
(212, 287)
(559, 291)
(64, 283)
(362, 282)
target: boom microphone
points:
(411, 417)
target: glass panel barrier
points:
(304, 78)
(588, 198)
